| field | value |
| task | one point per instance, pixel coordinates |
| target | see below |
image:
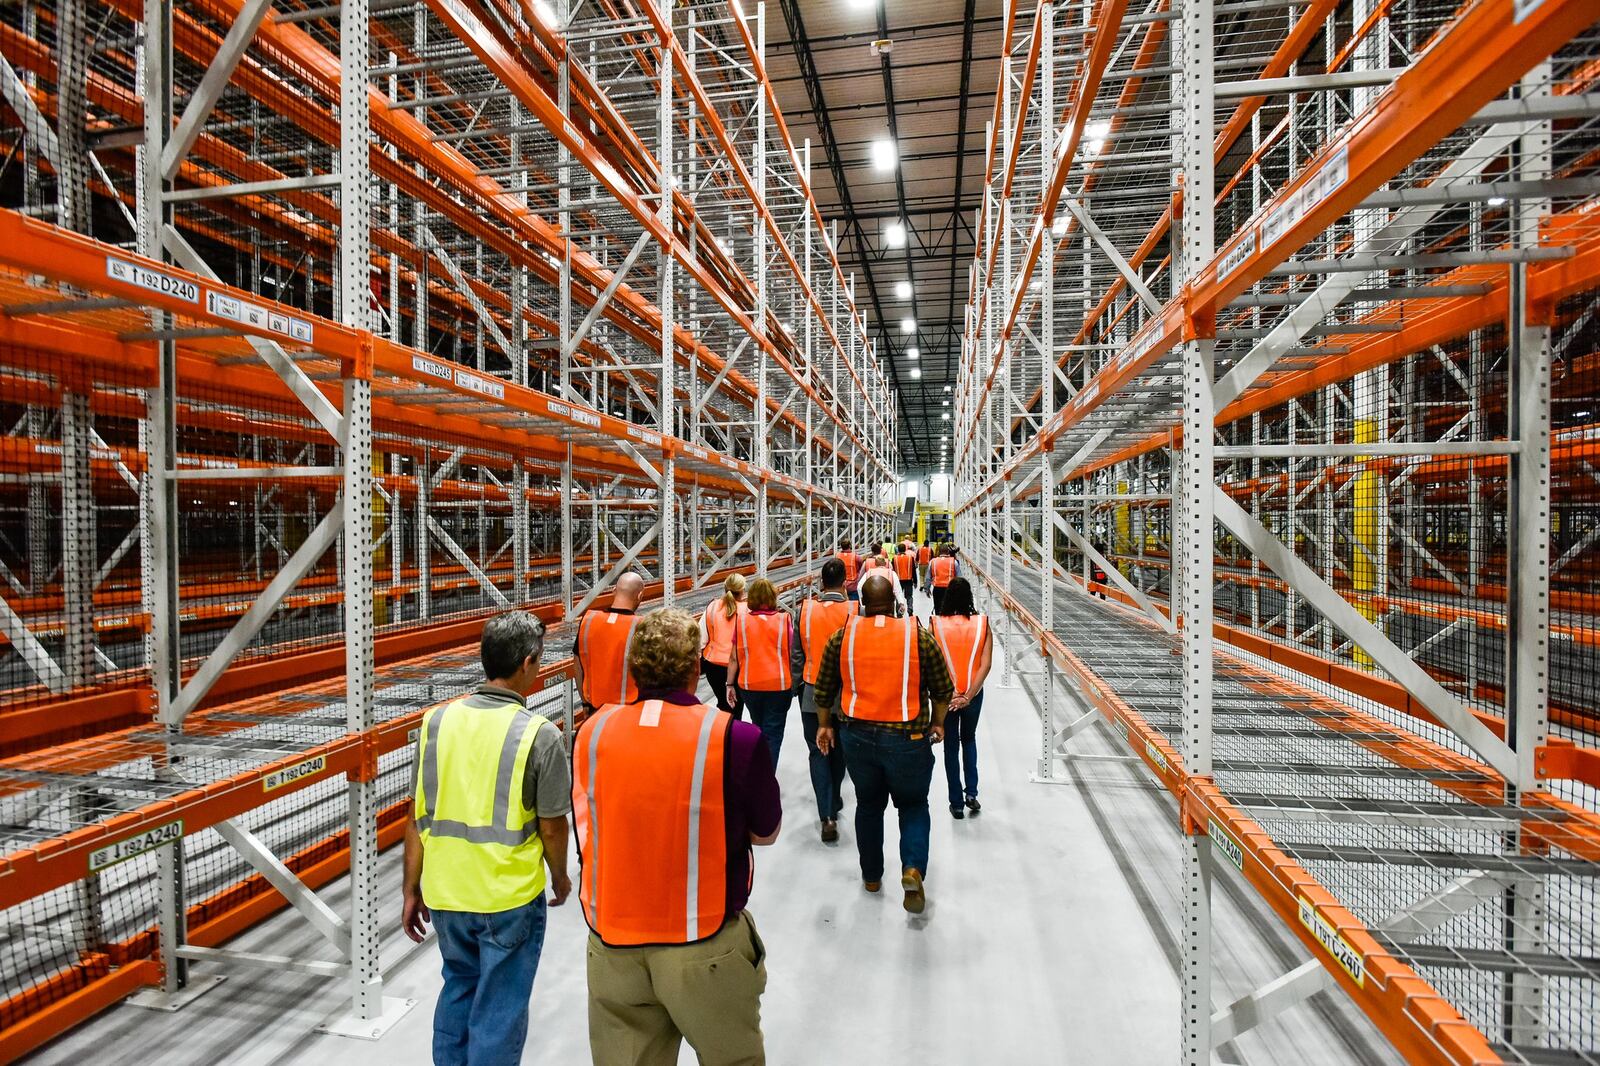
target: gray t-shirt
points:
(547, 785)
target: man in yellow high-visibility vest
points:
(493, 792)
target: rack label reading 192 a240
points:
(154, 280)
(118, 851)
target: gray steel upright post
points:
(1194, 117)
(1047, 340)
(763, 450)
(665, 397)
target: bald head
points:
(877, 594)
(629, 588)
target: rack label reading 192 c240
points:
(129, 847)
(290, 774)
(154, 280)
(1349, 959)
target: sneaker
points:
(830, 832)
(973, 805)
(872, 886)
(916, 898)
(956, 811)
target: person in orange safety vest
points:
(852, 568)
(820, 618)
(668, 797)
(767, 657)
(601, 650)
(942, 570)
(717, 625)
(968, 645)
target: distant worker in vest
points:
(669, 796)
(924, 554)
(767, 659)
(942, 569)
(601, 650)
(905, 569)
(820, 618)
(488, 818)
(718, 624)
(886, 680)
(852, 568)
(968, 645)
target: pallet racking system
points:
(326, 330)
(1280, 341)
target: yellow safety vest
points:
(480, 843)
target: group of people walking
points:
(669, 795)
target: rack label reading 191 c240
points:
(154, 280)
(129, 847)
(1349, 959)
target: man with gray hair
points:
(493, 792)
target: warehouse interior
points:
(1247, 351)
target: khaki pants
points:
(643, 1002)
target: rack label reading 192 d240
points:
(130, 847)
(154, 280)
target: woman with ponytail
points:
(717, 626)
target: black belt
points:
(882, 727)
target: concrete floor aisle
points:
(1031, 949)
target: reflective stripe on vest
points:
(961, 639)
(819, 621)
(880, 670)
(944, 571)
(481, 845)
(603, 650)
(658, 875)
(763, 648)
(903, 566)
(719, 632)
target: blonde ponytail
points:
(731, 588)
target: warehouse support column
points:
(1194, 115)
(371, 1014)
(1047, 394)
(763, 447)
(666, 398)
(1528, 529)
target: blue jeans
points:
(769, 711)
(481, 1018)
(888, 764)
(827, 771)
(961, 749)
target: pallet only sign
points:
(130, 847)
(290, 774)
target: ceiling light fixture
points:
(908, 325)
(913, 352)
(902, 290)
(884, 154)
(916, 372)
(1496, 201)
(894, 234)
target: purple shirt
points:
(750, 796)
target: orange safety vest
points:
(819, 621)
(852, 566)
(763, 650)
(880, 670)
(647, 794)
(904, 568)
(719, 632)
(924, 553)
(961, 639)
(603, 638)
(943, 571)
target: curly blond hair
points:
(665, 649)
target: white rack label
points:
(1156, 755)
(1323, 184)
(1237, 255)
(154, 280)
(231, 307)
(480, 385)
(129, 847)
(1224, 843)
(1349, 959)
(290, 774)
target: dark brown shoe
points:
(872, 886)
(830, 832)
(916, 898)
